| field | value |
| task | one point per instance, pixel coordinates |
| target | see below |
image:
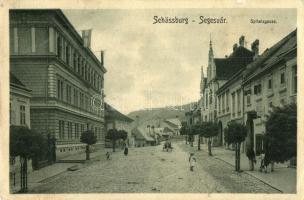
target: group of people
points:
(126, 151)
(265, 160)
(167, 145)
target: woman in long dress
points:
(126, 150)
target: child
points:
(108, 155)
(192, 161)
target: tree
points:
(198, 130)
(27, 144)
(123, 134)
(88, 137)
(281, 133)
(113, 135)
(235, 133)
(184, 130)
(190, 134)
(209, 130)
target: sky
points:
(156, 65)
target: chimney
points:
(86, 36)
(255, 48)
(102, 58)
(242, 41)
(235, 47)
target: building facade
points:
(65, 77)
(269, 81)
(219, 71)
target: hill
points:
(160, 114)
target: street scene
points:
(153, 101)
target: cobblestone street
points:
(149, 169)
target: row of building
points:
(246, 85)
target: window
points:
(210, 97)
(76, 130)
(68, 93)
(60, 89)
(239, 102)
(248, 99)
(294, 79)
(233, 103)
(227, 101)
(81, 100)
(79, 63)
(69, 130)
(61, 129)
(82, 128)
(59, 47)
(68, 54)
(85, 72)
(24, 40)
(219, 104)
(223, 103)
(75, 61)
(82, 69)
(75, 97)
(22, 115)
(270, 84)
(282, 79)
(257, 89)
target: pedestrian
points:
(126, 150)
(262, 165)
(108, 156)
(192, 161)
(267, 161)
(251, 157)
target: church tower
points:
(210, 69)
(202, 85)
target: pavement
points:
(50, 172)
(282, 178)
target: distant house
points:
(174, 124)
(143, 137)
(167, 132)
(116, 120)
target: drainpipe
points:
(243, 113)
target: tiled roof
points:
(142, 133)
(174, 121)
(113, 114)
(271, 56)
(15, 82)
(226, 67)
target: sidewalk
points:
(39, 176)
(283, 178)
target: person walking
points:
(108, 155)
(126, 151)
(251, 158)
(192, 161)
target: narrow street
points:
(149, 169)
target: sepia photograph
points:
(158, 100)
